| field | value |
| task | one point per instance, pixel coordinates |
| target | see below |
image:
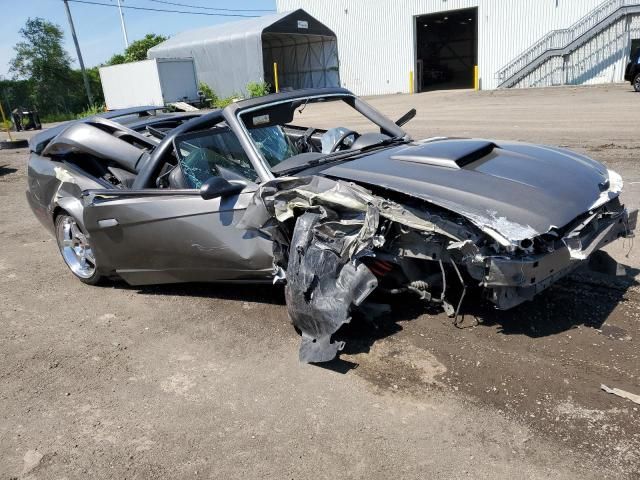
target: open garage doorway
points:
(446, 45)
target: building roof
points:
(283, 22)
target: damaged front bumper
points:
(510, 281)
(336, 242)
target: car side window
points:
(214, 152)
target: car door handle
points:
(107, 222)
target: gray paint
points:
(85, 138)
(169, 238)
(41, 139)
(524, 184)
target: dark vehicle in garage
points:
(259, 191)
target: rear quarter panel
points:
(53, 185)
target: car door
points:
(174, 235)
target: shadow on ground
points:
(261, 293)
(4, 170)
(587, 297)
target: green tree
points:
(41, 59)
(117, 59)
(96, 85)
(137, 50)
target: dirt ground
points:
(203, 381)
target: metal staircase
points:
(563, 42)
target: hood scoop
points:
(454, 154)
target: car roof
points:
(136, 123)
(289, 95)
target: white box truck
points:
(157, 82)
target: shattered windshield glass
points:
(273, 144)
(307, 128)
(209, 153)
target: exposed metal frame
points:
(256, 157)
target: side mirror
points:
(217, 187)
(406, 118)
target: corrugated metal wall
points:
(376, 37)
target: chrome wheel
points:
(75, 247)
(636, 83)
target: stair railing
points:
(557, 39)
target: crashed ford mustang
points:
(266, 190)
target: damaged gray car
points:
(317, 190)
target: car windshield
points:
(214, 152)
(306, 129)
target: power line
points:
(165, 10)
(214, 8)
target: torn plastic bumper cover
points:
(323, 284)
(335, 242)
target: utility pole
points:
(124, 29)
(75, 40)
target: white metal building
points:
(383, 44)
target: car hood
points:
(516, 189)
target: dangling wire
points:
(464, 292)
(444, 281)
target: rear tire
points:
(636, 83)
(76, 250)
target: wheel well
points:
(57, 212)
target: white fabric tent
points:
(230, 55)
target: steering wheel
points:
(304, 140)
(340, 142)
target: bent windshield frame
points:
(281, 112)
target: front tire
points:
(76, 251)
(636, 82)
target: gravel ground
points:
(203, 380)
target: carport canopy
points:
(230, 55)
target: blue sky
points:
(98, 27)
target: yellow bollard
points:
(411, 86)
(476, 78)
(275, 76)
(4, 122)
